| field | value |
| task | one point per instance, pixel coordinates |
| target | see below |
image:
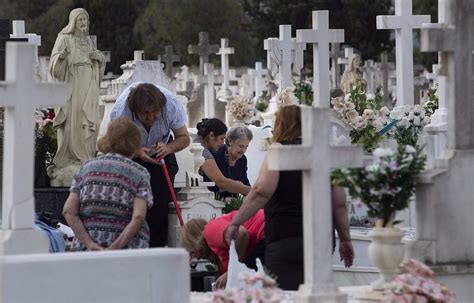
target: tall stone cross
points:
(285, 46)
(335, 70)
(20, 94)
(273, 55)
(203, 49)
(403, 22)
(315, 157)
(320, 36)
(224, 52)
(209, 91)
(169, 58)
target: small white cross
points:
(320, 36)
(224, 52)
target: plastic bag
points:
(235, 267)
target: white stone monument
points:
(317, 207)
(403, 22)
(169, 58)
(20, 94)
(224, 52)
(203, 49)
(444, 203)
(320, 36)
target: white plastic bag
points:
(235, 267)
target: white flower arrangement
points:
(286, 97)
(240, 108)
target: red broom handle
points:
(173, 195)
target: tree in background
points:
(123, 26)
(178, 22)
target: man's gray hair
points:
(239, 132)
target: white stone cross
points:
(344, 61)
(403, 22)
(273, 55)
(169, 58)
(138, 55)
(315, 157)
(320, 36)
(19, 33)
(433, 76)
(258, 79)
(369, 75)
(286, 46)
(209, 91)
(203, 49)
(224, 52)
(20, 94)
(335, 71)
(297, 56)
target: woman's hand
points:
(95, 55)
(221, 281)
(92, 246)
(231, 233)
(346, 251)
(63, 54)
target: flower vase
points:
(386, 252)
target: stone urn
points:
(386, 252)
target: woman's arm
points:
(341, 223)
(258, 196)
(213, 172)
(138, 218)
(71, 214)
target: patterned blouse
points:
(107, 186)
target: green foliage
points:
(304, 92)
(233, 203)
(387, 185)
(368, 137)
(432, 104)
(261, 105)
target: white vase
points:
(386, 252)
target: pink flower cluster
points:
(415, 285)
(258, 289)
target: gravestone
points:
(203, 49)
(403, 22)
(444, 198)
(169, 58)
(20, 94)
(259, 81)
(297, 57)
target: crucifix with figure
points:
(20, 94)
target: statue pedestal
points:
(62, 177)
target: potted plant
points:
(385, 187)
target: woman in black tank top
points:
(281, 195)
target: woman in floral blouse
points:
(109, 195)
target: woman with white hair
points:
(230, 157)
